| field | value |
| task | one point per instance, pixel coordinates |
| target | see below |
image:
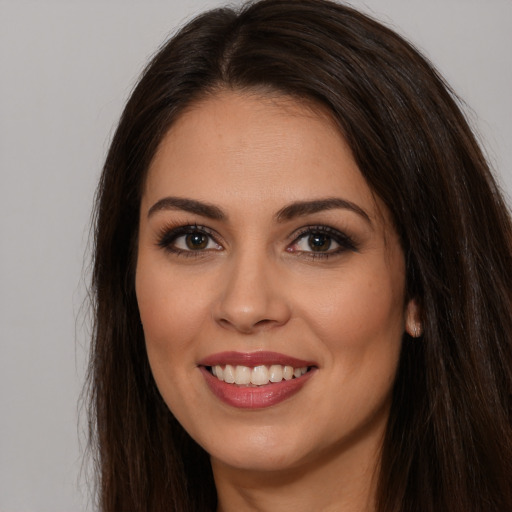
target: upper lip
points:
(252, 359)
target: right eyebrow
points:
(189, 205)
(302, 208)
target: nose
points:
(252, 297)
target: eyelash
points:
(169, 235)
(345, 242)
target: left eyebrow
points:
(189, 205)
(302, 208)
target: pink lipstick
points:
(255, 380)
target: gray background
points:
(66, 69)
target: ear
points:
(413, 324)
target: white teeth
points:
(257, 376)
(229, 374)
(287, 373)
(243, 375)
(275, 373)
(218, 372)
(297, 372)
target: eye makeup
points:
(321, 241)
(188, 240)
(313, 242)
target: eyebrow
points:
(289, 212)
(189, 205)
(302, 208)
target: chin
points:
(254, 448)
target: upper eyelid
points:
(183, 229)
(328, 230)
(168, 234)
(175, 231)
(340, 237)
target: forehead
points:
(247, 148)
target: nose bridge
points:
(250, 297)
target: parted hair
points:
(448, 444)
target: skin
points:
(258, 285)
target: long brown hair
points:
(448, 445)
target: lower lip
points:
(247, 397)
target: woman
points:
(302, 278)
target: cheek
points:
(360, 323)
(171, 310)
(171, 316)
(358, 309)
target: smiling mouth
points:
(255, 380)
(256, 376)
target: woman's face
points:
(263, 254)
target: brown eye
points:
(319, 242)
(196, 241)
(188, 239)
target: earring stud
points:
(417, 330)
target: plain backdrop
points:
(66, 68)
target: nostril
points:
(266, 323)
(248, 328)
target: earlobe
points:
(413, 324)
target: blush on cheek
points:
(369, 320)
(168, 332)
(160, 317)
